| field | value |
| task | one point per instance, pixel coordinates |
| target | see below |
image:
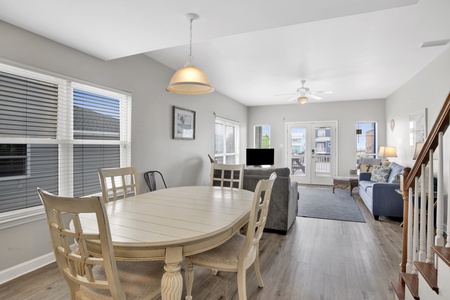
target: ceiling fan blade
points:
(289, 94)
(323, 92)
(292, 99)
(315, 97)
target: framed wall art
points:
(417, 127)
(183, 124)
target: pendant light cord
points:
(190, 57)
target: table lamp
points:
(387, 151)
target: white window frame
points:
(236, 126)
(373, 155)
(64, 136)
(254, 134)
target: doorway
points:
(311, 152)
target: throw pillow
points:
(396, 178)
(380, 173)
(367, 164)
(366, 168)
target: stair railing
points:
(422, 226)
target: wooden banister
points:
(409, 174)
(441, 125)
(405, 195)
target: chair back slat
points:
(258, 217)
(77, 265)
(225, 175)
(118, 183)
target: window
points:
(226, 141)
(13, 161)
(56, 134)
(366, 141)
(262, 136)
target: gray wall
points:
(346, 113)
(427, 89)
(181, 162)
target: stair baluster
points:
(430, 219)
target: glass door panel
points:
(310, 153)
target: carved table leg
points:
(172, 281)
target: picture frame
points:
(418, 127)
(183, 123)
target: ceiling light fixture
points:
(190, 79)
(302, 100)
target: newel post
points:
(405, 194)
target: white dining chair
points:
(227, 175)
(118, 183)
(94, 277)
(241, 251)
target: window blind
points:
(56, 134)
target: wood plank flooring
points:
(318, 259)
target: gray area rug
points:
(321, 203)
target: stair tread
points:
(399, 289)
(429, 273)
(443, 253)
(412, 282)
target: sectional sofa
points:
(284, 201)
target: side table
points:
(350, 182)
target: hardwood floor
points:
(317, 259)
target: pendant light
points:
(190, 79)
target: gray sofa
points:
(381, 198)
(284, 201)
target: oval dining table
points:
(172, 223)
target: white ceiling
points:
(252, 50)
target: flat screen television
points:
(260, 156)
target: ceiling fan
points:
(303, 94)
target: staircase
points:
(425, 267)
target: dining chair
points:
(152, 182)
(94, 277)
(225, 175)
(118, 183)
(241, 251)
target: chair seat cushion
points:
(139, 280)
(222, 257)
(365, 185)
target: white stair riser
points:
(443, 279)
(408, 295)
(425, 291)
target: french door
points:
(311, 152)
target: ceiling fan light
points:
(189, 80)
(302, 100)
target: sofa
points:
(380, 195)
(284, 200)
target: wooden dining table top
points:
(196, 218)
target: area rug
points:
(321, 203)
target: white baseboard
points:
(26, 267)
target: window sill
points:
(22, 216)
